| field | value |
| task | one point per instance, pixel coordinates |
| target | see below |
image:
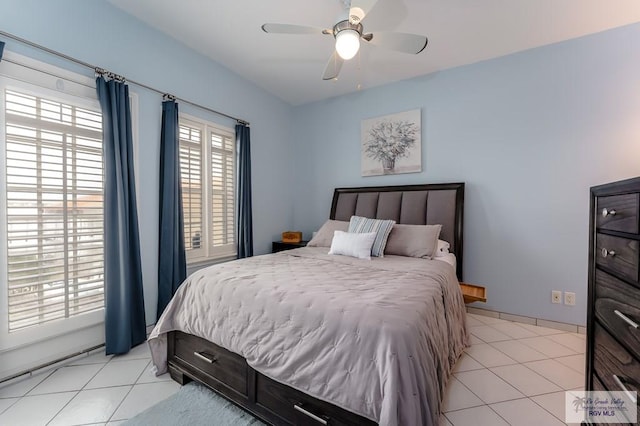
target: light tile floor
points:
(512, 374)
(95, 390)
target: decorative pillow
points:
(443, 248)
(382, 228)
(325, 234)
(353, 244)
(413, 240)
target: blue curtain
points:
(125, 324)
(245, 219)
(1, 49)
(172, 265)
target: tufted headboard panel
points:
(428, 204)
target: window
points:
(51, 197)
(207, 168)
(54, 209)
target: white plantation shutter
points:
(54, 183)
(207, 170)
(191, 181)
(222, 190)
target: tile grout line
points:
(517, 363)
(63, 407)
(84, 387)
(555, 383)
(119, 405)
(526, 344)
(125, 397)
(77, 392)
(539, 405)
(10, 405)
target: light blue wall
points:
(529, 133)
(102, 35)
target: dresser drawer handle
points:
(606, 212)
(624, 388)
(606, 252)
(626, 319)
(308, 414)
(205, 358)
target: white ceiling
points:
(290, 66)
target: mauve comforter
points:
(378, 338)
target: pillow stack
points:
(346, 238)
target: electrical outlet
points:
(556, 296)
(569, 298)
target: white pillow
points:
(353, 244)
(443, 249)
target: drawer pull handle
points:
(606, 252)
(205, 358)
(606, 212)
(624, 388)
(626, 319)
(308, 414)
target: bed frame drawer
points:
(618, 254)
(216, 362)
(618, 213)
(297, 408)
(617, 307)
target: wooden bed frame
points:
(193, 358)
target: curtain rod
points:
(101, 71)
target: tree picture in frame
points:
(391, 144)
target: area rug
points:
(194, 405)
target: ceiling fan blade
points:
(291, 29)
(333, 67)
(359, 9)
(407, 43)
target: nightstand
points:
(277, 246)
(473, 293)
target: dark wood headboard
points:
(429, 204)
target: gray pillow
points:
(413, 240)
(325, 234)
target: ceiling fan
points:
(348, 33)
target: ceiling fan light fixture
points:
(347, 43)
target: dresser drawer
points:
(618, 213)
(618, 254)
(217, 362)
(617, 307)
(297, 408)
(613, 364)
(597, 384)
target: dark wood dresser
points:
(613, 337)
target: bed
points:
(303, 337)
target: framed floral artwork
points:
(391, 144)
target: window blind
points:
(207, 173)
(191, 181)
(54, 186)
(223, 190)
